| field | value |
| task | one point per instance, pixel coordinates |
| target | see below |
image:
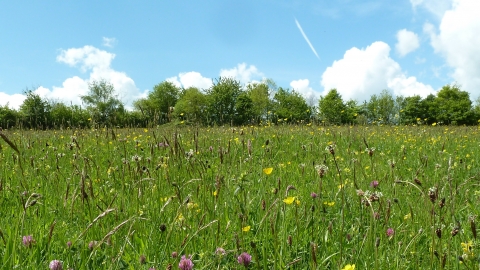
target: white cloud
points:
(98, 63)
(407, 42)
(242, 73)
(303, 87)
(109, 42)
(364, 72)
(437, 7)
(13, 101)
(458, 41)
(191, 79)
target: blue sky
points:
(410, 47)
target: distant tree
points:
(244, 109)
(35, 111)
(332, 108)
(351, 112)
(8, 116)
(221, 100)
(386, 107)
(159, 102)
(290, 105)
(412, 109)
(102, 102)
(191, 105)
(259, 93)
(454, 105)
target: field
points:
(286, 197)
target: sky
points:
(408, 47)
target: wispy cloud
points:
(306, 38)
(109, 42)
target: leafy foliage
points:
(102, 102)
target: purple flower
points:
(185, 264)
(174, 254)
(244, 259)
(220, 251)
(55, 265)
(92, 245)
(313, 195)
(28, 241)
(374, 184)
(69, 244)
(390, 232)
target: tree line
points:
(227, 102)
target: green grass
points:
(119, 195)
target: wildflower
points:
(390, 232)
(92, 244)
(220, 251)
(370, 151)
(174, 254)
(69, 244)
(374, 184)
(289, 200)
(246, 228)
(329, 203)
(28, 241)
(349, 267)
(136, 158)
(321, 170)
(55, 265)
(331, 148)
(313, 195)
(185, 264)
(244, 259)
(142, 259)
(267, 171)
(467, 250)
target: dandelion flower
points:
(289, 200)
(268, 171)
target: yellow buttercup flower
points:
(349, 267)
(289, 200)
(246, 229)
(268, 171)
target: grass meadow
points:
(263, 197)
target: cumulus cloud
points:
(242, 73)
(191, 79)
(457, 39)
(407, 42)
(98, 63)
(302, 86)
(364, 72)
(13, 101)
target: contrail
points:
(306, 38)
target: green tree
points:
(8, 116)
(191, 105)
(412, 109)
(102, 102)
(454, 106)
(243, 109)
(221, 99)
(332, 108)
(35, 111)
(159, 102)
(259, 93)
(290, 105)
